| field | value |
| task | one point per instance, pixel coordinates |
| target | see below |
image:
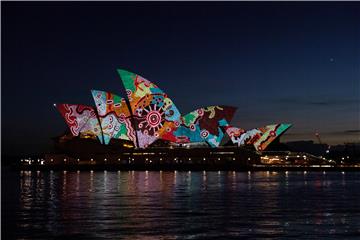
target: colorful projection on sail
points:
(260, 138)
(236, 134)
(241, 137)
(155, 115)
(80, 119)
(204, 125)
(269, 134)
(115, 117)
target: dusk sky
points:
(277, 62)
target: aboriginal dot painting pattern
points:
(155, 115)
(204, 125)
(270, 133)
(115, 117)
(260, 138)
(80, 119)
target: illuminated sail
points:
(152, 115)
(251, 136)
(236, 135)
(270, 133)
(204, 125)
(80, 119)
(260, 138)
(189, 131)
(155, 114)
(115, 117)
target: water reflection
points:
(167, 205)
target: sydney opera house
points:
(148, 115)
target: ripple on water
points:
(182, 205)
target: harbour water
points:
(180, 205)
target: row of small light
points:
(204, 172)
(42, 161)
(249, 172)
(30, 161)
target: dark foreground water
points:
(180, 205)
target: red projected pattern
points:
(115, 117)
(80, 119)
(75, 116)
(260, 138)
(204, 125)
(155, 115)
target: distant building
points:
(342, 154)
(308, 146)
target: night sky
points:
(277, 62)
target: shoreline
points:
(183, 168)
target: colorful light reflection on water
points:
(181, 205)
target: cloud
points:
(321, 102)
(315, 101)
(334, 102)
(353, 131)
(345, 132)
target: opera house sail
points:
(204, 124)
(155, 115)
(114, 115)
(149, 114)
(81, 119)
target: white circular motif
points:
(139, 112)
(153, 118)
(122, 118)
(204, 133)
